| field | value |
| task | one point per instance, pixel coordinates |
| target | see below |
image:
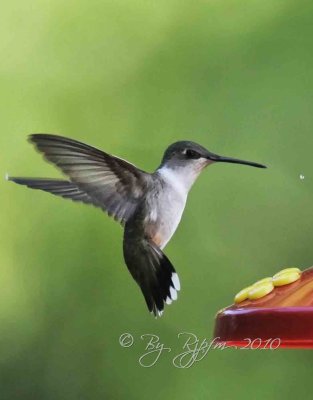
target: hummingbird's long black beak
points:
(216, 158)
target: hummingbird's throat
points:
(183, 177)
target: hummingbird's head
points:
(187, 159)
(185, 153)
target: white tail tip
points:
(173, 293)
(176, 281)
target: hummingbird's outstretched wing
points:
(107, 181)
(152, 270)
(65, 189)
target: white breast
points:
(176, 179)
(168, 206)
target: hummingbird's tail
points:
(153, 272)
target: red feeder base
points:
(282, 319)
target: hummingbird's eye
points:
(192, 154)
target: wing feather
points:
(110, 181)
(65, 189)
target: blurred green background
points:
(131, 77)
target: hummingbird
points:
(149, 206)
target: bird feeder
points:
(273, 312)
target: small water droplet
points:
(301, 177)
